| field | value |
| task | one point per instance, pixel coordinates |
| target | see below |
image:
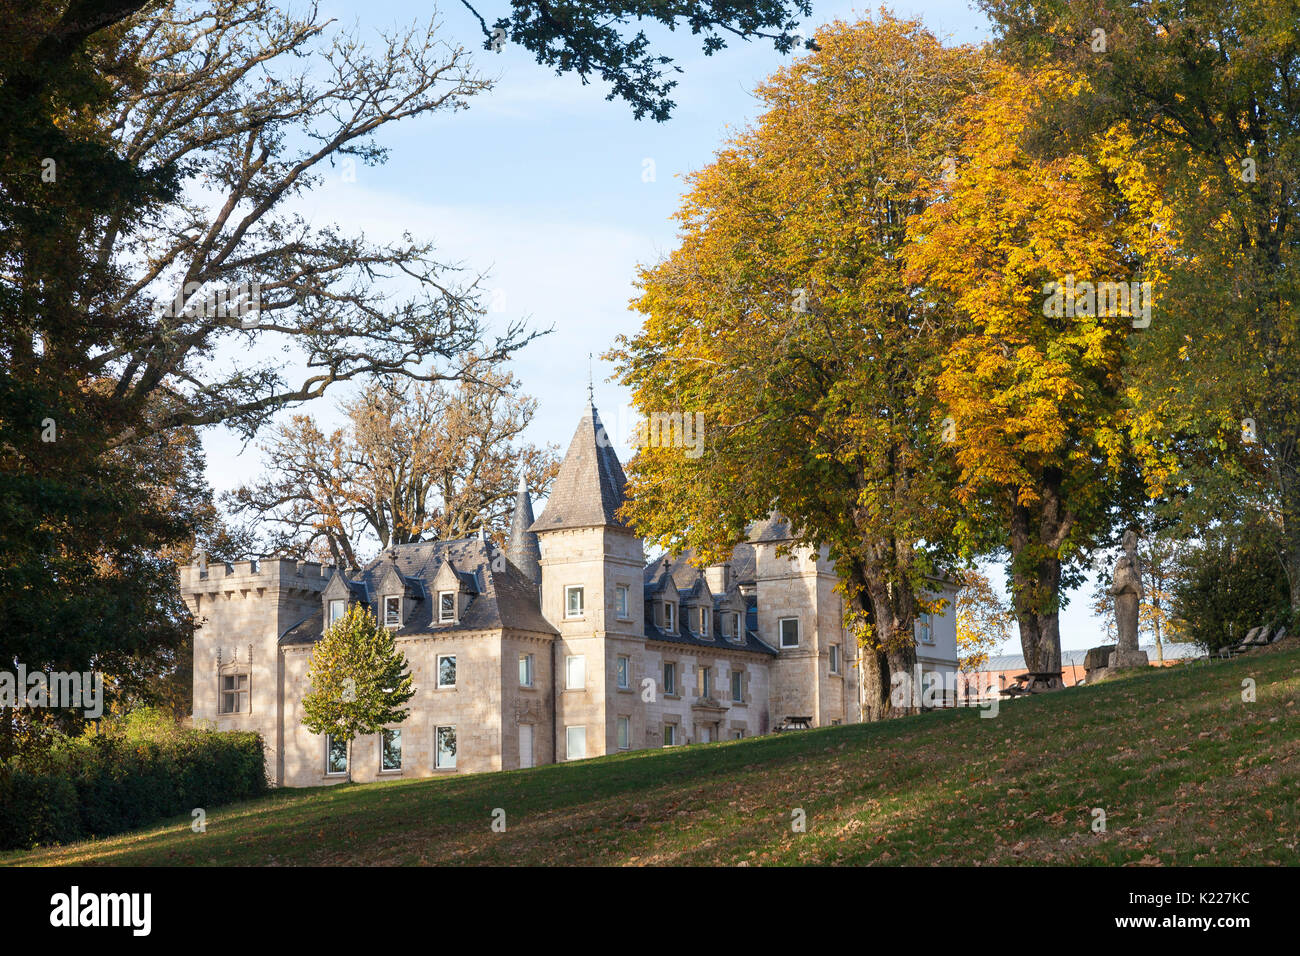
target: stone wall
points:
(242, 609)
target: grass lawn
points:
(1185, 771)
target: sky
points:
(556, 195)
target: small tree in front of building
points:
(359, 680)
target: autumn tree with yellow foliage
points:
(1033, 386)
(784, 317)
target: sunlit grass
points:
(1184, 770)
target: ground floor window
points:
(336, 755)
(390, 750)
(670, 735)
(624, 733)
(445, 748)
(234, 693)
(575, 743)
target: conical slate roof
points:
(521, 545)
(588, 491)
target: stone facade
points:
(566, 644)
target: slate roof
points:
(751, 642)
(772, 528)
(1016, 662)
(588, 490)
(497, 599)
(742, 567)
(521, 544)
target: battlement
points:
(204, 577)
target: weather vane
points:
(591, 395)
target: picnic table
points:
(795, 723)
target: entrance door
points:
(525, 745)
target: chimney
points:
(718, 577)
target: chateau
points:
(564, 645)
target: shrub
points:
(1231, 585)
(36, 809)
(134, 773)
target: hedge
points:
(102, 785)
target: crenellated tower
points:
(241, 610)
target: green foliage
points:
(359, 680)
(134, 773)
(588, 37)
(1229, 585)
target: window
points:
(445, 748)
(789, 632)
(624, 677)
(621, 601)
(392, 610)
(338, 609)
(670, 735)
(703, 623)
(737, 734)
(446, 607)
(573, 598)
(706, 681)
(926, 627)
(670, 678)
(575, 671)
(447, 670)
(737, 687)
(624, 732)
(735, 625)
(670, 617)
(525, 670)
(835, 658)
(575, 743)
(390, 750)
(234, 693)
(336, 755)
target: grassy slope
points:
(1185, 770)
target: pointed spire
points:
(521, 546)
(588, 491)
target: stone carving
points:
(1127, 591)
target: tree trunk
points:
(1037, 533)
(892, 615)
(1289, 493)
(6, 733)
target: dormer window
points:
(670, 617)
(703, 622)
(338, 609)
(446, 607)
(392, 610)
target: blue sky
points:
(542, 184)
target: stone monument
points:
(1127, 591)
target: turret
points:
(521, 546)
